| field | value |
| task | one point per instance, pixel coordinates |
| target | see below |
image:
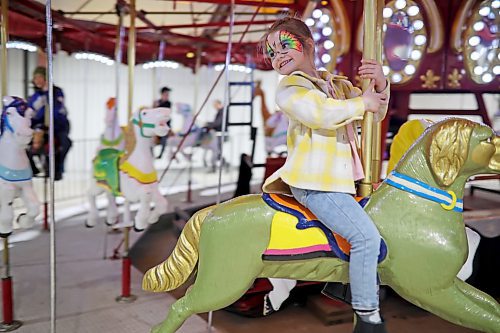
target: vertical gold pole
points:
(5, 37)
(377, 127)
(369, 15)
(131, 58)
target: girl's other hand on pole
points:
(373, 100)
(371, 69)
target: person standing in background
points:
(39, 103)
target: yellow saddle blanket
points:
(297, 234)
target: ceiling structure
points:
(184, 26)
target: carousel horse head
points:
(152, 122)
(418, 216)
(456, 148)
(111, 116)
(15, 118)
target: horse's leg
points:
(7, 195)
(218, 284)
(112, 211)
(93, 215)
(161, 204)
(141, 218)
(32, 204)
(461, 304)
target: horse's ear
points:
(448, 150)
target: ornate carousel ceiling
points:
(165, 29)
(428, 44)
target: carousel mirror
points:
(405, 39)
(481, 39)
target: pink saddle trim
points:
(299, 250)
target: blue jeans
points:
(343, 215)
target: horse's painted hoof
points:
(137, 229)
(25, 221)
(5, 235)
(88, 225)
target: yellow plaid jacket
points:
(319, 152)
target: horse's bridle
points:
(143, 125)
(447, 199)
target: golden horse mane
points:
(448, 149)
(130, 141)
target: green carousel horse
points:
(417, 209)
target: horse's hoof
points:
(137, 229)
(5, 235)
(89, 225)
(25, 221)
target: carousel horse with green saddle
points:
(417, 209)
(129, 172)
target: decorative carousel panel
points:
(405, 40)
(331, 33)
(480, 40)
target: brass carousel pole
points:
(369, 52)
(377, 127)
(126, 296)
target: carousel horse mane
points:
(406, 136)
(130, 140)
(449, 150)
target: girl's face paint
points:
(286, 53)
(290, 41)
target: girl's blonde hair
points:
(293, 25)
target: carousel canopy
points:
(165, 29)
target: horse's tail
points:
(174, 271)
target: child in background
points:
(323, 163)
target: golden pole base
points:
(365, 189)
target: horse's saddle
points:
(106, 170)
(297, 234)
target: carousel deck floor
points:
(88, 282)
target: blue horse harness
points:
(447, 199)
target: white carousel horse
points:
(113, 137)
(130, 173)
(15, 170)
(196, 137)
